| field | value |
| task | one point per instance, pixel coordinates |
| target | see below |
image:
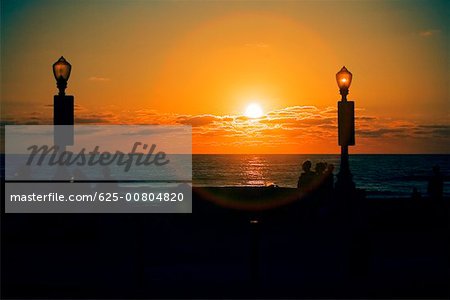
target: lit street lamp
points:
(61, 71)
(63, 105)
(346, 131)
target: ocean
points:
(380, 175)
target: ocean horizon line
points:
(351, 154)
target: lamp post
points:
(346, 131)
(61, 71)
(63, 105)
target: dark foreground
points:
(372, 249)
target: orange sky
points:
(202, 63)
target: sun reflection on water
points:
(253, 170)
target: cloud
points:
(196, 121)
(89, 120)
(287, 125)
(376, 133)
(429, 32)
(97, 118)
(307, 129)
(437, 131)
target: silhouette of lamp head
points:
(344, 79)
(61, 71)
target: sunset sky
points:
(202, 63)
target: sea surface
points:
(379, 175)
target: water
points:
(379, 175)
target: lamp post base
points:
(344, 183)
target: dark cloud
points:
(365, 118)
(379, 132)
(90, 120)
(104, 118)
(435, 126)
(196, 121)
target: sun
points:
(254, 111)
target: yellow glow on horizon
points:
(254, 111)
(216, 65)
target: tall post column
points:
(346, 133)
(63, 114)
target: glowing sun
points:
(254, 111)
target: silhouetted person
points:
(306, 180)
(320, 168)
(436, 184)
(319, 182)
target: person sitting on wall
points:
(307, 178)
